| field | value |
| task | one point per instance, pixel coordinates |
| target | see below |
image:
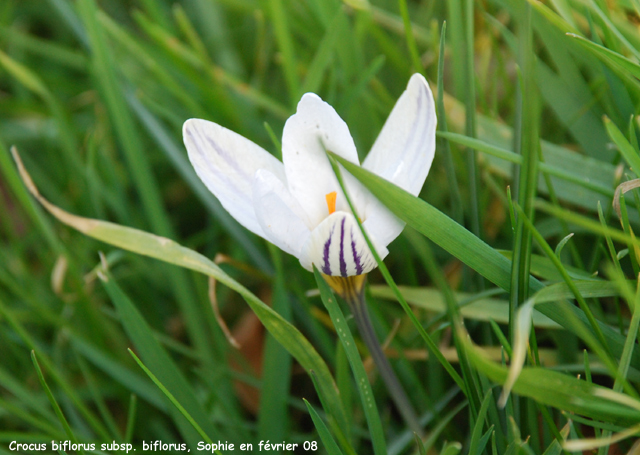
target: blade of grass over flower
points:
(369, 406)
(471, 250)
(52, 400)
(442, 230)
(173, 400)
(330, 444)
(169, 251)
(387, 276)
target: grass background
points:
(540, 129)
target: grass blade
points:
(348, 343)
(329, 443)
(173, 400)
(52, 400)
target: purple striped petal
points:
(338, 248)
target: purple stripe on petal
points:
(356, 256)
(343, 264)
(211, 166)
(326, 267)
(231, 162)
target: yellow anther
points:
(331, 201)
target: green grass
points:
(486, 287)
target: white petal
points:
(404, 150)
(279, 214)
(226, 162)
(338, 248)
(315, 128)
(402, 154)
(382, 223)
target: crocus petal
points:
(226, 162)
(404, 150)
(382, 223)
(279, 214)
(315, 128)
(338, 248)
(402, 154)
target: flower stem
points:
(351, 289)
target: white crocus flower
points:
(298, 204)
